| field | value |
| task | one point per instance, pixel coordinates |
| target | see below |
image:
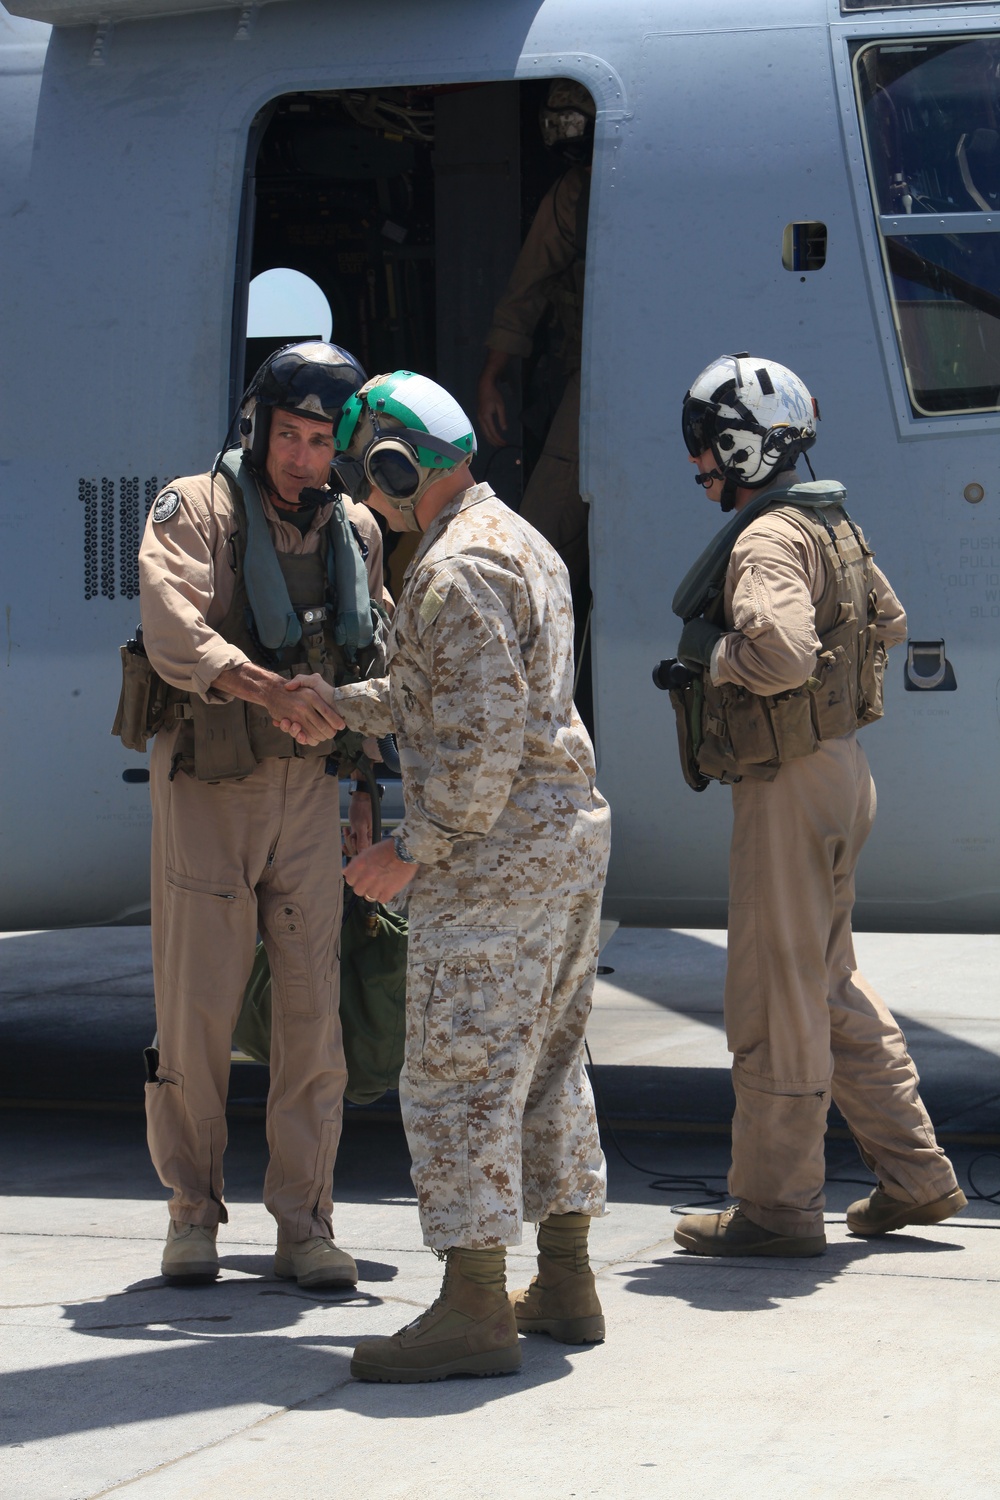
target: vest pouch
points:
(748, 725)
(687, 704)
(143, 701)
(791, 721)
(267, 741)
(222, 748)
(872, 677)
(834, 710)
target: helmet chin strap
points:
(408, 510)
(729, 489)
(729, 486)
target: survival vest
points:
(291, 613)
(726, 732)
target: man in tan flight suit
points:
(246, 823)
(549, 273)
(504, 848)
(792, 655)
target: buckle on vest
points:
(312, 619)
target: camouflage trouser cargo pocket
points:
(463, 1012)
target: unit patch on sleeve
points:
(433, 601)
(166, 505)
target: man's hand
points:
(312, 692)
(315, 718)
(490, 406)
(359, 816)
(378, 874)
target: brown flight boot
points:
(564, 1304)
(469, 1330)
(732, 1233)
(562, 1299)
(190, 1253)
(315, 1262)
(880, 1212)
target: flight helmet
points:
(399, 434)
(567, 119)
(311, 379)
(753, 415)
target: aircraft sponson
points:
(90, 12)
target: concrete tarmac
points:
(871, 1369)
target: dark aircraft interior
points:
(407, 207)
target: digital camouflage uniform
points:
(512, 837)
(802, 1022)
(549, 271)
(229, 858)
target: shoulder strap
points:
(276, 621)
(704, 579)
(353, 628)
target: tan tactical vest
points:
(218, 741)
(744, 734)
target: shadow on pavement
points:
(76, 1011)
(760, 1284)
(231, 1345)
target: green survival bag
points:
(372, 999)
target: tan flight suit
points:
(549, 271)
(512, 836)
(802, 1023)
(229, 858)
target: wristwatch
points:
(401, 850)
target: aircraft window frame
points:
(917, 328)
(860, 7)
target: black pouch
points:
(687, 704)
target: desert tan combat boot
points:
(469, 1330)
(564, 1304)
(315, 1262)
(732, 1233)
(562, 1299)
(880, 1212)
(190, 1253)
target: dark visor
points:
(293, 376)
(694, 425)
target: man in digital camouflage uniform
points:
(246, 823)
(791, 655)
(504, 849)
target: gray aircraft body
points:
(815, 181)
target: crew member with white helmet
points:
(787, 624)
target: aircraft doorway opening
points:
(404, 212)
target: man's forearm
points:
(365, 706)
(251, 683)
(494, 365)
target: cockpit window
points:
(930, 114)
